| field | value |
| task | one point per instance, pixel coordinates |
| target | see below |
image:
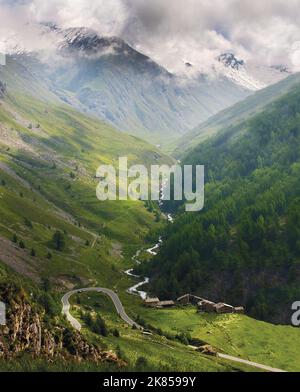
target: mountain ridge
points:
(233, 115)
(244, 244)
(106, 75)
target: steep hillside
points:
(243, 248)
(29, 330)
(237, 335)
(49, 154)
(108, 78)
(36, 338)
(55, 236)
(234, 115)
(54, 233)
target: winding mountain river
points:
(134, 290)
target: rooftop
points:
(166, 303)
(151, 300)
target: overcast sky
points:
(266, 31)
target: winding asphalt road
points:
(113, 296)
(250, 363)
(121, 312)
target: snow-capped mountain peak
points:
(229, 66)
(230, 60)
(86, 40)
(249, 75)
(87, 43)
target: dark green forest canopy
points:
(244, 247)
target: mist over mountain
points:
(129, 90)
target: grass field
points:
(159, 352)
(49, 154)
(236, 335)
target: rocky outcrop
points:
(26, 331)
(229, 60)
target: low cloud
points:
(174, 32)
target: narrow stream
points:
(134, 289)
(153, 251)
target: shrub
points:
(28, 223)
(99, 326)
(58, 240)
(182, 338)
(48, 304)
(141, 363)
(21, 245)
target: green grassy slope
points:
(233, 116)
(49, 154)
(160, 353)
(236, 335)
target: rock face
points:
(2, 89)
(229, 60)
(27, 332)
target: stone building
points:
(151, 302)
